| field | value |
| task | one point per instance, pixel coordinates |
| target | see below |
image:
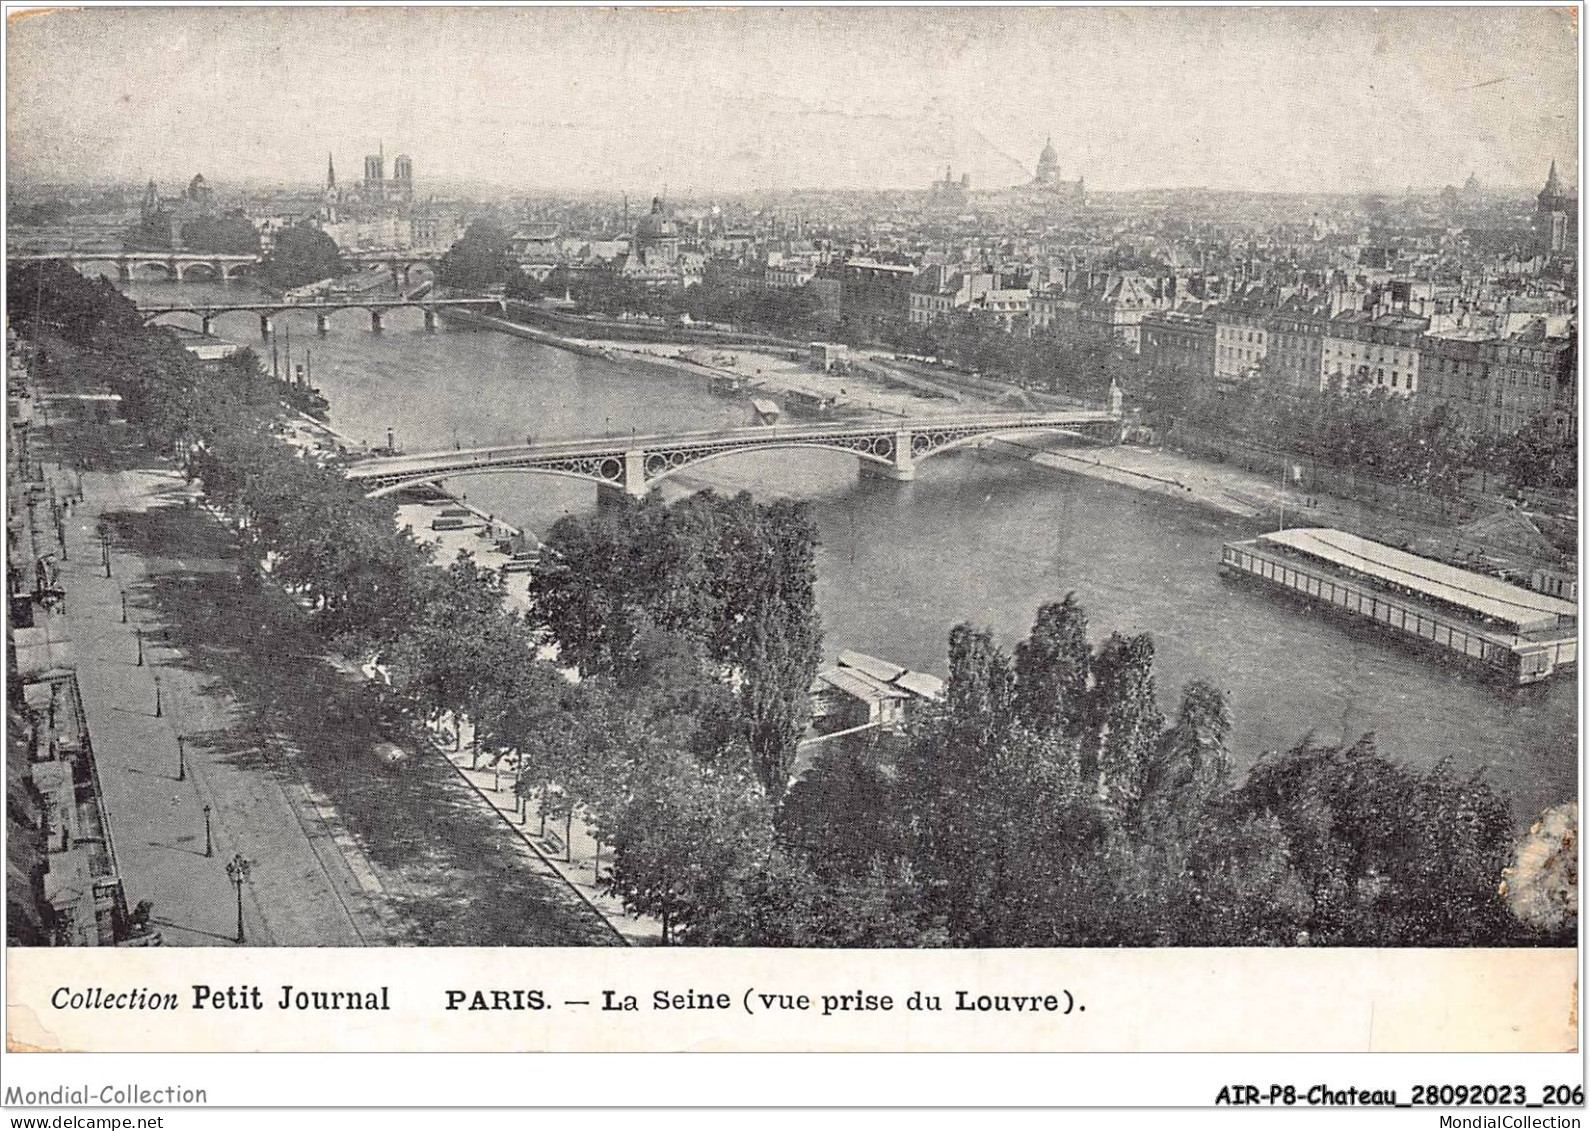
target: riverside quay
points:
(1522, 635)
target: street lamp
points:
(209, 845)
(182, 761)
(158, 711)
(124, 606)
(237, 871)
(140, 633)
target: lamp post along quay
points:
(209, 844)
(182, 761)
(237, 871)
(158, 711)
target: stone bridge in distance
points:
(322, 309)
(180, 264)
(633, 464)
(176, 264)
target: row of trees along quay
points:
(1377, 434)
(1047, 801)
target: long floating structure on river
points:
(1522, 635)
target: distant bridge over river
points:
(634, 464)
(322, 309)
(178, 265)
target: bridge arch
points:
(154, 317)
(925, 444)
(420, 479)
(662, 465)
(169, 271)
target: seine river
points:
(975, 537)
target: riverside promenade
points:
(567, 847)
(279, 744)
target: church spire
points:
(331, 172)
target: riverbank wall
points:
(772, 384)
(630, 330)
(1094, 465)
(583, 349)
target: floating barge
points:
(1516, 633)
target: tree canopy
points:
(231, 233)
(1050, 799)
(301, 254)
(481, 258)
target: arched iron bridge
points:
(633, 464)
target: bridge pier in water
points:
(430, 320)
(322, 324)
(205, 322)
(375, 321)
(265, 327)
(632, 485)
(903, 467)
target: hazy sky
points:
(632, 99)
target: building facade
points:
(1242, 339)
(938, 292)
(871, 293)
(1055, 313)
(1363, 351)
(1113, 314)
(1501, 383)
(1179, 344)
(1295, 347)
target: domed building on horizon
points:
(1046, 180)
(1048, 164)
(656, 237)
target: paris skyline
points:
(712, 99)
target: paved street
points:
(280, 745)
(308, 883)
